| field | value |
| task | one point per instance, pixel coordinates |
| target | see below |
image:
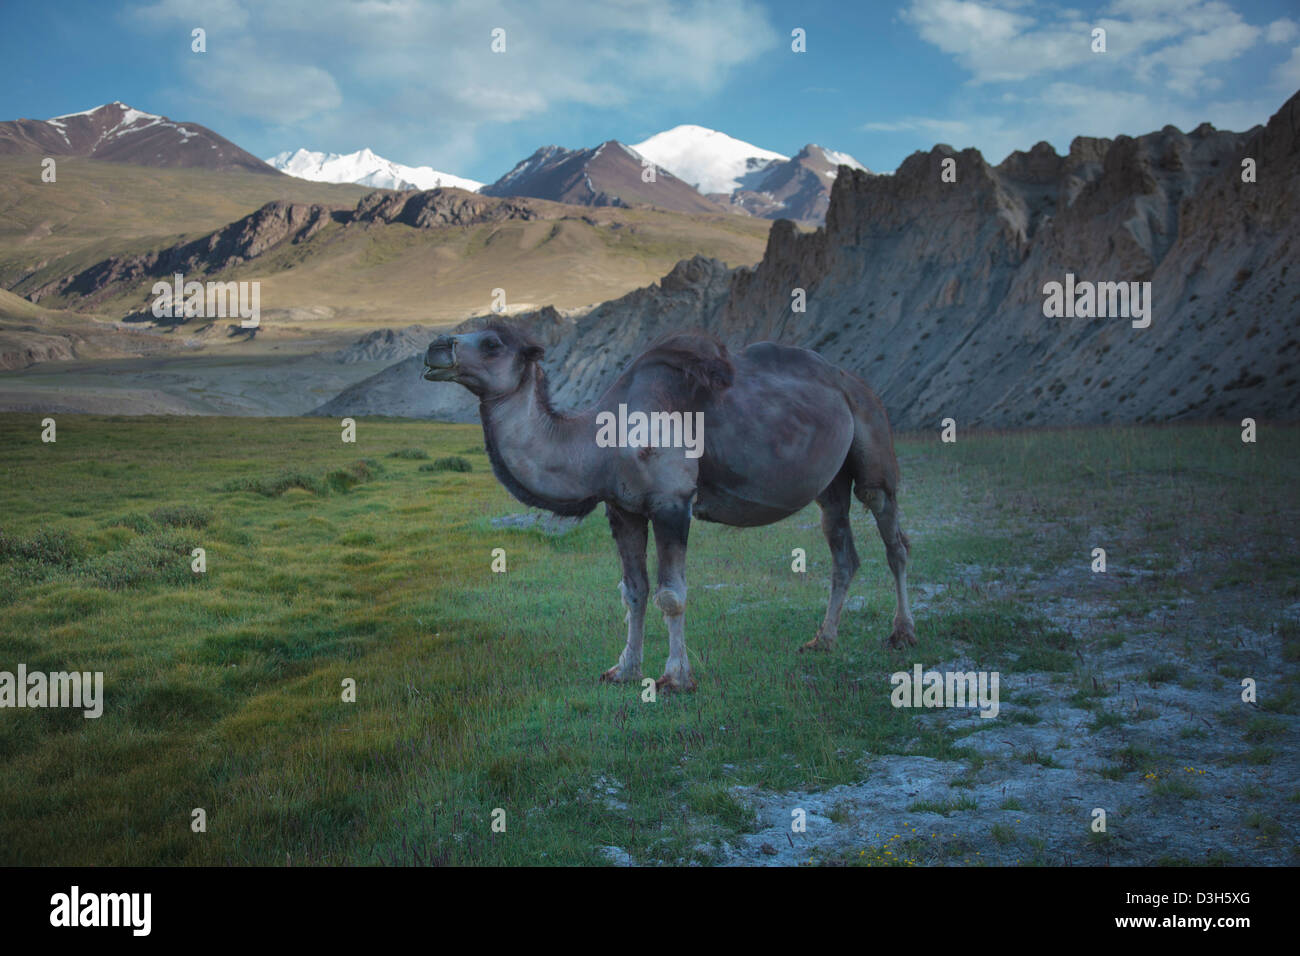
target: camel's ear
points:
(532, 353)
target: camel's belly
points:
(715, 505)
(771, 452)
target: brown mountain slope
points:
(117, 133)
(96, 209)
(607, 175)
(430, 257)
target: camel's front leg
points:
(630, 535)
(672, 525)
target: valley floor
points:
(476, 693)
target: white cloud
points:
(1282, 31)
(424, 73)
(272, 91)
(995, 44)
(1222, 38)
(1286, 75)
(952, 129)
(1175, 43)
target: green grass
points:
(478, 691)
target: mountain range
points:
(364, 168)
(935, 290)
(747, 178)
(697, 170)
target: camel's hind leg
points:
(630, 535)
(835, 503)
(884, 505)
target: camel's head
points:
(492, 362)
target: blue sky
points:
(417, 81)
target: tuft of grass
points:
(1102, 719)
(340, 480)
(943, 807)
(162, 556)
(412, 454)
(344, 480)
(182, 516)
(450, 463)
(1175, 786)
(1263, 729)
(276, 485)
(1163, 673)
(1268, 827)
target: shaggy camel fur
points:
(781, 427)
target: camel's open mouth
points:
(438, 373)
(441, 373)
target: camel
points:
(782, 427)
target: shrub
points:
(54, 549)
(343, 479)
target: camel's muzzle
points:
(440, 360)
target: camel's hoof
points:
(675, 685)
(904, 635)
(616, 675)
(818, 643)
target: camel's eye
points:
(491, 345)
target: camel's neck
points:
(544, 459)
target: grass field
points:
(477, 691)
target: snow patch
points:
(366, 168)
(710, 160)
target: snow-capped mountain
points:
(748, 178)
(799, 188)
(119, 133)
(711, 161)
(366, 169)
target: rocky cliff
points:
(934, 290)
